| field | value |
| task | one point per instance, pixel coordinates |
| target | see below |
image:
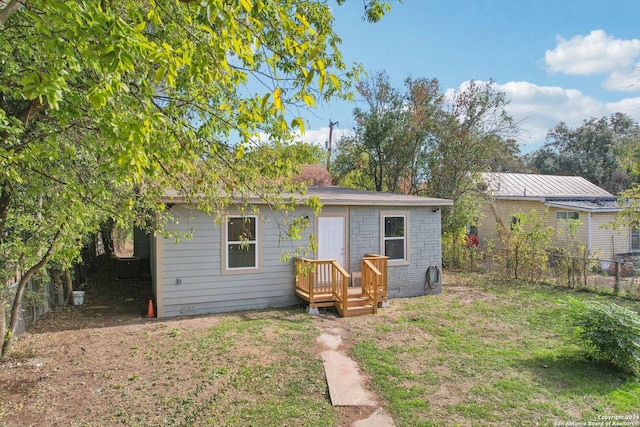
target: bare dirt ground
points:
(107, 302)
(70, 346)
(94, 364)
(80, 365)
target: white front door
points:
(331, 238)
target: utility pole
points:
(331, 125)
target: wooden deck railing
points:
(325, 283)
(371, 280)
(374, 277)
(322, 282)
(340, 287)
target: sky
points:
(557, 61)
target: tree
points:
(386, 152)
(594, 150)
(377, 133)
(473, 135)
(526, 245)
(104, 105)
(421, 141)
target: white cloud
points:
(535, 108)
(625, 80)
(597, 53)
(321, 135)
(540, 108)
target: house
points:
(217, 271)
(562, 198)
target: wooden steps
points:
(324, 283)
(357, 303)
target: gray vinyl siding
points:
(197, 261)
(424, 246)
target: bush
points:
(626, 269)
(608, 332)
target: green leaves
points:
(607, 332)
(107, 104)
(36, 85)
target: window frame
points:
(225, 269)
(568, 215)
(406, 238)
(634, 234)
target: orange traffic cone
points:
(150, 312)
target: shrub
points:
(626, 269)
(458, 250)
(608, 332)
(525, 240)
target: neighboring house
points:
(215, 272)
(562, 198)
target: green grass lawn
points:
(489, 353)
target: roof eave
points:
(428, 202)
(521, 198)
(585, 208)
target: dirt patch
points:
(466, 294)
(106, 363)
(108, 301)
(101, 363)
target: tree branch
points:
(10, 9)
(25, 116)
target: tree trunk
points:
(9, 9)
(13, 321)
(55, 276)
(3, 323)
(106, 232)
(68, 285)
(5, 199)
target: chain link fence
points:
(618, 276)
(40, 294)
(38, 300)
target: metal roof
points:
(520, 185)
(586, 205)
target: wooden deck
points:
(325, 283)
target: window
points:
(635, 237)
(241, 242)
(567, 215)
(394, 232)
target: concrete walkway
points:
(346, 382)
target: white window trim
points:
(631, 232)
(224, 267)
(407, 236)
(567, 215)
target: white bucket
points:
(78, 297)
